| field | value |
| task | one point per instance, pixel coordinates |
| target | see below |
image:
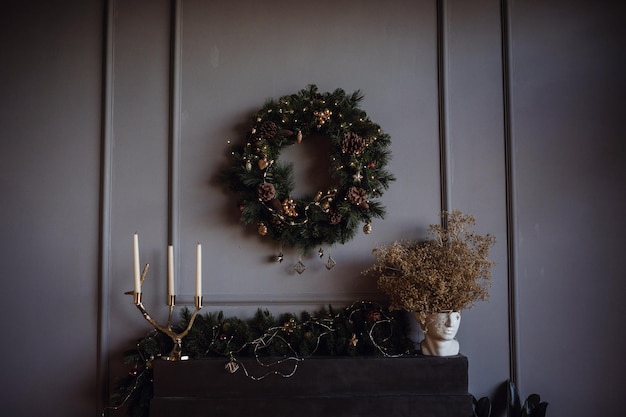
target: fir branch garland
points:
(357, 164)
(362, 329)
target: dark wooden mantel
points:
(332, 387)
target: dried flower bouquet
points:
(449, 271)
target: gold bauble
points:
(289, 207)
(262, 229)
(262, 163)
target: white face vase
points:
(439, 332)
(443, 326)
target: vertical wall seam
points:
(174, 125)
(104, 249)
(510, 194)
(442, 110)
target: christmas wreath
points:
(357, 163)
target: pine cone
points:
(358, 197)
(266, 191)
(277, 224)
(334, 217)
(266, 131)
(352, 144)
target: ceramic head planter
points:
(439, 333)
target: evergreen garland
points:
(264, 185)
(362, 329)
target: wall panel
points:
(49, 176)
(139, 147)
(234, 57)
(473, 71)
(568, 87)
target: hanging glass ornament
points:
(299, 267)
(320, 253)
(232, 366)
(367, 228)
(330, 263)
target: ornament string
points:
(266, 340)
(274, 333)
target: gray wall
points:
(105, 132)
(50, 89)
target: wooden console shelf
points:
(413, 386)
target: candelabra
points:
(177, 338)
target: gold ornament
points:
(299, 136)
(322, 117)
(289, 207)
(262, 229)
(367, 228)
(289, 326)
(262, 164)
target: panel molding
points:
(106, 167)
(511, 214)
(279, 299)
(444, 165)
(175, 97)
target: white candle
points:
(136, 263)
(170, 271)
(199, 270)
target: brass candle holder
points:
(177, 338)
